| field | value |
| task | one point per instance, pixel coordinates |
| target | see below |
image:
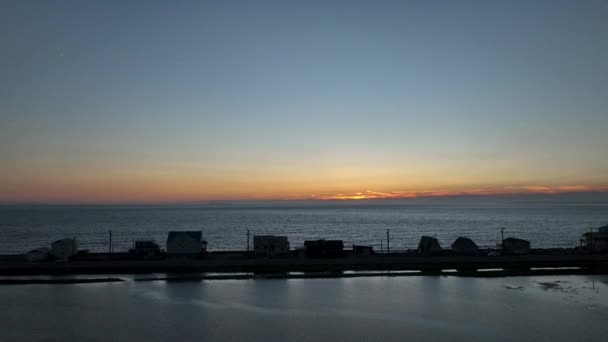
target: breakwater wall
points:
(598, 263)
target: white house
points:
(38, 254)
(270, 245)
(429, 245)
(515, 246)
(464, 246)
(64, 248)
(596, 241)
(184, 243)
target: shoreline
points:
(287, 276)
(241, 263)
(21, 281)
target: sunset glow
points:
(489, 191)
(275, 101)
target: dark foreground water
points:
(544, 224)
(416, 308)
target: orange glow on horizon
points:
(191, 188)
(510, 190)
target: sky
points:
(155, 101)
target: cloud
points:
(508, 190)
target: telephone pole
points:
(110, 245)
(247, 241)
(591, 240)
(502, 239)
(388, 242)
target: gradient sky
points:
(114, 101)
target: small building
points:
(38, 254)
(185, 243)
(515, 246)
(429, 246)
(145, 248)
(596, 241)
(464, 246)
(363, 250)
(324, 248)
(64, 248)
(270, 245)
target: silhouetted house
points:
(145, 248)
(596, 241)
(324, 248)
(363, 250)
(38, 254)
(429, 246)
(314, 248)
(464, 246)
(185, 243)
(334, 248)
(515, 246)
(64, 248)
(270, 245)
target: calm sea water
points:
(545, 225)
(420, 308)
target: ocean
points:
(225, 226)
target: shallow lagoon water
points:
(410, 308)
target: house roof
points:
(40, 250)
(427, 239)
(429, 242)
(464, 242)
(66, 240)
(193, 234)
(516, 240)
(269, 237)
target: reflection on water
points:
(560, 308)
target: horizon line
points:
(337, 198)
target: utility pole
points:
(381, 248)
(591, 240)
(502, 240)
(388, 242)
(203, 242)
(247, 241)
(110, 245)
